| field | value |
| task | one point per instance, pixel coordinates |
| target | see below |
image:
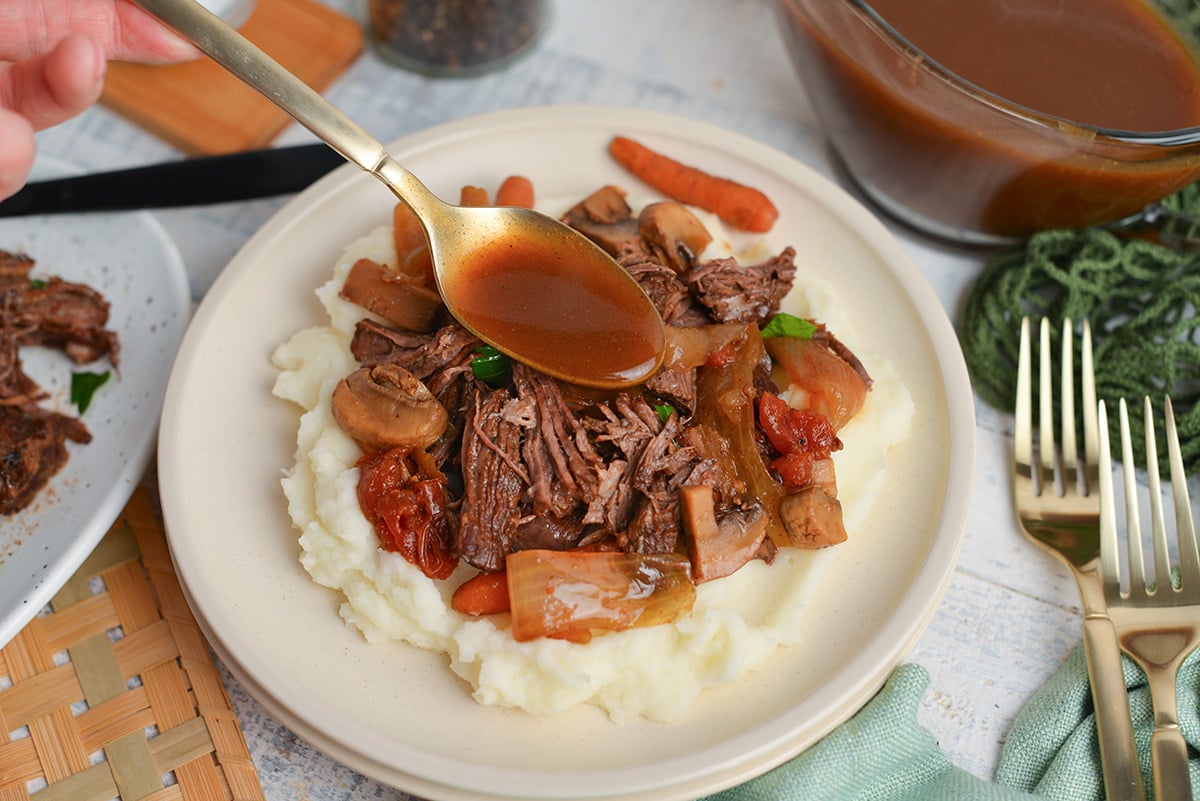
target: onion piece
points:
(820, 379)
(556, 593)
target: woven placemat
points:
(113, 692)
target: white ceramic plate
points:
(130, 259)
(397, 713)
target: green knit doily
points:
(1141, 299)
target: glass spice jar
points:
(454, 37)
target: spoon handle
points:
(245, 60)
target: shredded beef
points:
(561, 460)
(736, 293)
(50, 313)
(662, 285)
(487, 520)
(32, 449)
(423, 355)
(676, 387)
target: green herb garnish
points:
(37, 283)
(788, 325)
(84, 386)
(491, 366)
(665, 410)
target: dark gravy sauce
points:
(591, 326)
(1114, 64)
(918, 147)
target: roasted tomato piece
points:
(801, 436)
(408, 511)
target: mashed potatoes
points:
(735, 626)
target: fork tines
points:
(1161, 587)
(1056, 454)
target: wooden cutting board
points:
(203, 110)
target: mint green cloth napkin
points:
(883, 754)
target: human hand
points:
(53, 56)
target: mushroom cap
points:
(386, 406)
(674, 232)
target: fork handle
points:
(1114, 725)
(1169, 757)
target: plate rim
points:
(940, 562)
(130, 475)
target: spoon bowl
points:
(521, 281)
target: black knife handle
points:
(190, 182)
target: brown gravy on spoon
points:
(562, 318)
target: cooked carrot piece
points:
(482, 594)
(473, 196)
(741, 206)
(515, 190)
(408, 232)
(418, 266)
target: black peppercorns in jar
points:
(455, 37)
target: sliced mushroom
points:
(394, 297)
(387, 407)
(675, 234)
(718, 546)
(605, 218)
(812, 518)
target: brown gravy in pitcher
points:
(967, 169)
(1113, 64)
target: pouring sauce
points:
(963, 168)
(560, 314)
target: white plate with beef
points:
(127, 261)
(398, 713)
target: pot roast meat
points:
(32, 449)
(736, 293)
(488, 517)
(557, 452)
(668, 294)
(675, 387)
(14, 269)
(60, 314)
(541, 465)
(51, 313)
(658, 472)
(448, 348)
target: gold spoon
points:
(521, 281)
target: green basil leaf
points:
(788, 325)
(84, 386)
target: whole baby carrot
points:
(741, 206)
(473, 196)
(515, 190)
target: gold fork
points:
(1158, 623)
(1063, 517)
